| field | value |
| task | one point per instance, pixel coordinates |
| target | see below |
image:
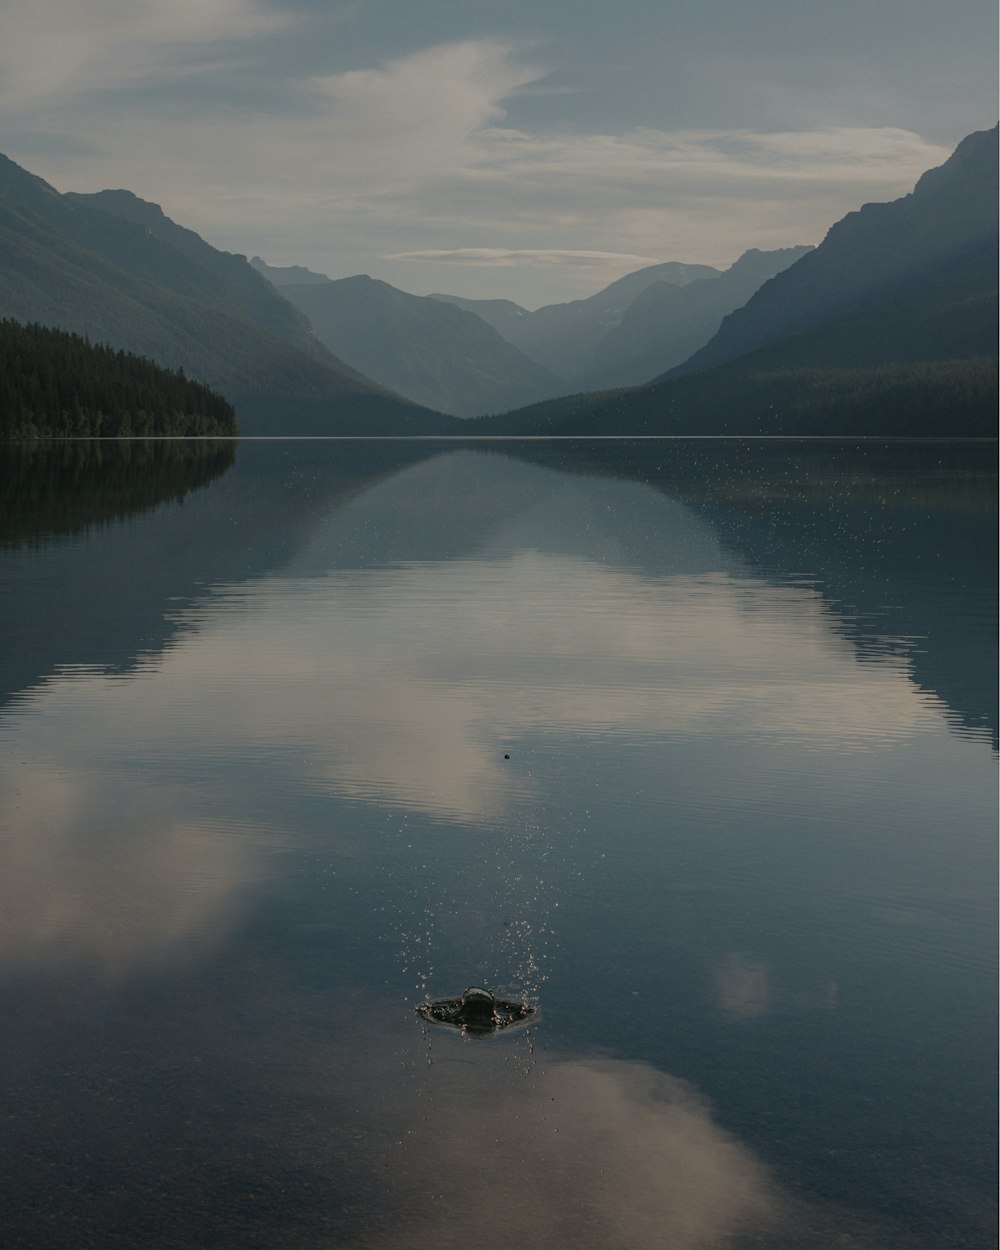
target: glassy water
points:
(691, 746)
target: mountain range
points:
(871, 258)
(889, 326)
(472, 357)
(434, 353)
(115, 269)
(563, 337)
(295, 351)
(666, 322)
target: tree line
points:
(937, 398)
(54, 384)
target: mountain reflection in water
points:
(688, 743)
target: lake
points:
(690, 746)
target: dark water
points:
(256, 804)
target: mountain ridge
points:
(665, 323)
(563, 337)
(498, 313)
(70, 265)
(950, 207)
(902, 348)
(429, 350)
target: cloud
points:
(55, 51)
(414, 158)
(531, 256)
(439, 95)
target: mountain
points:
(637, 327)
(952, 210)
(236, 282)
(501, 314)
(432, 352)
(889, 327)
(564, 337)
(666, 323)
(132, 279)
(288, 275)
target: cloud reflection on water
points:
(401, 685)
(290, 730)
(746, 987)
(596, 1154)
(246, 1113)
(107, 875)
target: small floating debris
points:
(477, 1012)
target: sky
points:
(520, 149)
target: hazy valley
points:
(888, 326)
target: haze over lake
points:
(688, 744)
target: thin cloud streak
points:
(533, 256)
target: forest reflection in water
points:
(692, 749)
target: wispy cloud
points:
(55, 51)
(414, 158)
(525, 256)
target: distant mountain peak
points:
(121, 196)
(288, 275)
(968, 158)
(430, 350)
(131, 207)
(20, 182)
(755, 258)
(665, 322)
(952, 209)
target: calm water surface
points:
(691, 745)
